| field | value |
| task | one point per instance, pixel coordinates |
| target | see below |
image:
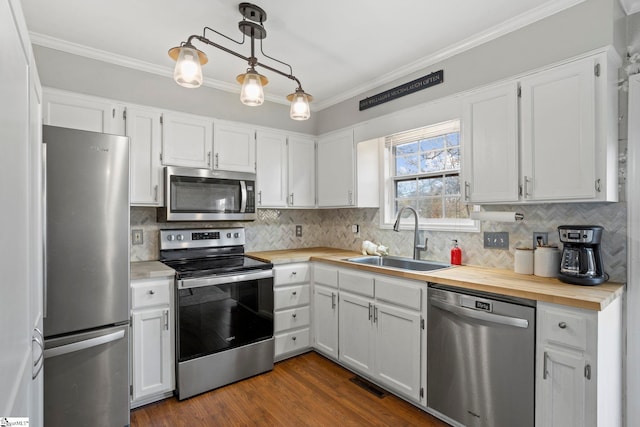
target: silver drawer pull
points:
(293, 338)
(294, 293)
(152, 292)
(293, 315)
(294, 273)
(562, 325)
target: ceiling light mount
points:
(189, 61)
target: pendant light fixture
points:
(189, 62)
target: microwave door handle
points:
(243, 196)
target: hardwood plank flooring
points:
(307, 390)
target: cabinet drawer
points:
(146, 293)
(290, 274)
(291, 296)
(327, 276)
(357, 283)
(565, 328)
(292, 341)
(289, 319)
(399, 292)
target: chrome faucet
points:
(417, 248)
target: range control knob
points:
(170, 237)
(236, 235)
(180, 237)
(228, 235)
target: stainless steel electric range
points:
(224, 308)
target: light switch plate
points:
(496, 240)
(137, 237)
(298, 231)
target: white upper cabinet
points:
(557, 142)
(559, 133)
(271, 180)
(142, 126)
(302, 171)
(76, 111)
(187, 140)
(336, 170)
(490, 144)
(234, 147)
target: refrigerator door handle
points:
(44, 229)
(83, 345)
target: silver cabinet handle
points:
(155, 193)
(467, 189)
(526, 187)
(370, 307)
(83, 345)
(217, 161)
(598, 187)
(293, 315)
(151, 292)
(333, 300)
(166, 320)
(37, 338)
(562, 325)
(293, 338)
(375, 314)
(587, 371)
(293, 273)
(350, 197)
(209, 158)
(294, 293)
(291, 199)
(545, 372)
(260, 197)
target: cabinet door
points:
(234, 147)
(336, 170)
(355, 332)
(490, 144)
(76, 111)
(152, 360)
(186, 140)
(325, 320)
(562, 389)
(397, 349)
(271, 180)
(302, 172)
(558, 133)
(143, 129)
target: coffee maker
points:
(581, 262)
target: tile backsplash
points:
(275, 229)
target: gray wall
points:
(579, 29)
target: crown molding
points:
(549, 8)
(128, 62)
(630, 6)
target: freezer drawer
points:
(86, 379)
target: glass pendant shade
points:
(300, 109)
(188, 71)
(252, 93)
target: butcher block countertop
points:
(150, 270)
(504, 282)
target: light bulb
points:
(299, 105)
(252, 93)
(188, 71)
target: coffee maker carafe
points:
(581, 262)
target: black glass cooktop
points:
(201, 267)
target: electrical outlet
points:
(137, 237)
(298, 231)
(539, 235)
(496, 240)
(355, 228)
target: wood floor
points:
(307, 390)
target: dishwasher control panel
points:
(476, 304)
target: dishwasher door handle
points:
(480, 315)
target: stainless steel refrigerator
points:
(86, 312)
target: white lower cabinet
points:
(152, 343)
(356, 332)
(325, 320)
(291, 306)
(578, 366)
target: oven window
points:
(220, 317)
(205, 195)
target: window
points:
(423, 171)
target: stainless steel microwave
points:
(206, 195)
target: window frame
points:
(388, 214)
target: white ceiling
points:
(337, 48)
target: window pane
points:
(430, 208)
(430, 187)
(454, 208)
(432, 162)
(453, 139)
(452, 185)
(453, 159)
(406, 165)
(406, 189)
(401, 204)
(432, 143)
(411, 147)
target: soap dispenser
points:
(456, 253)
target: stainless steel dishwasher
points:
(480, 357)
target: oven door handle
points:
(219, 280)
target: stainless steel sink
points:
(399, 262)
